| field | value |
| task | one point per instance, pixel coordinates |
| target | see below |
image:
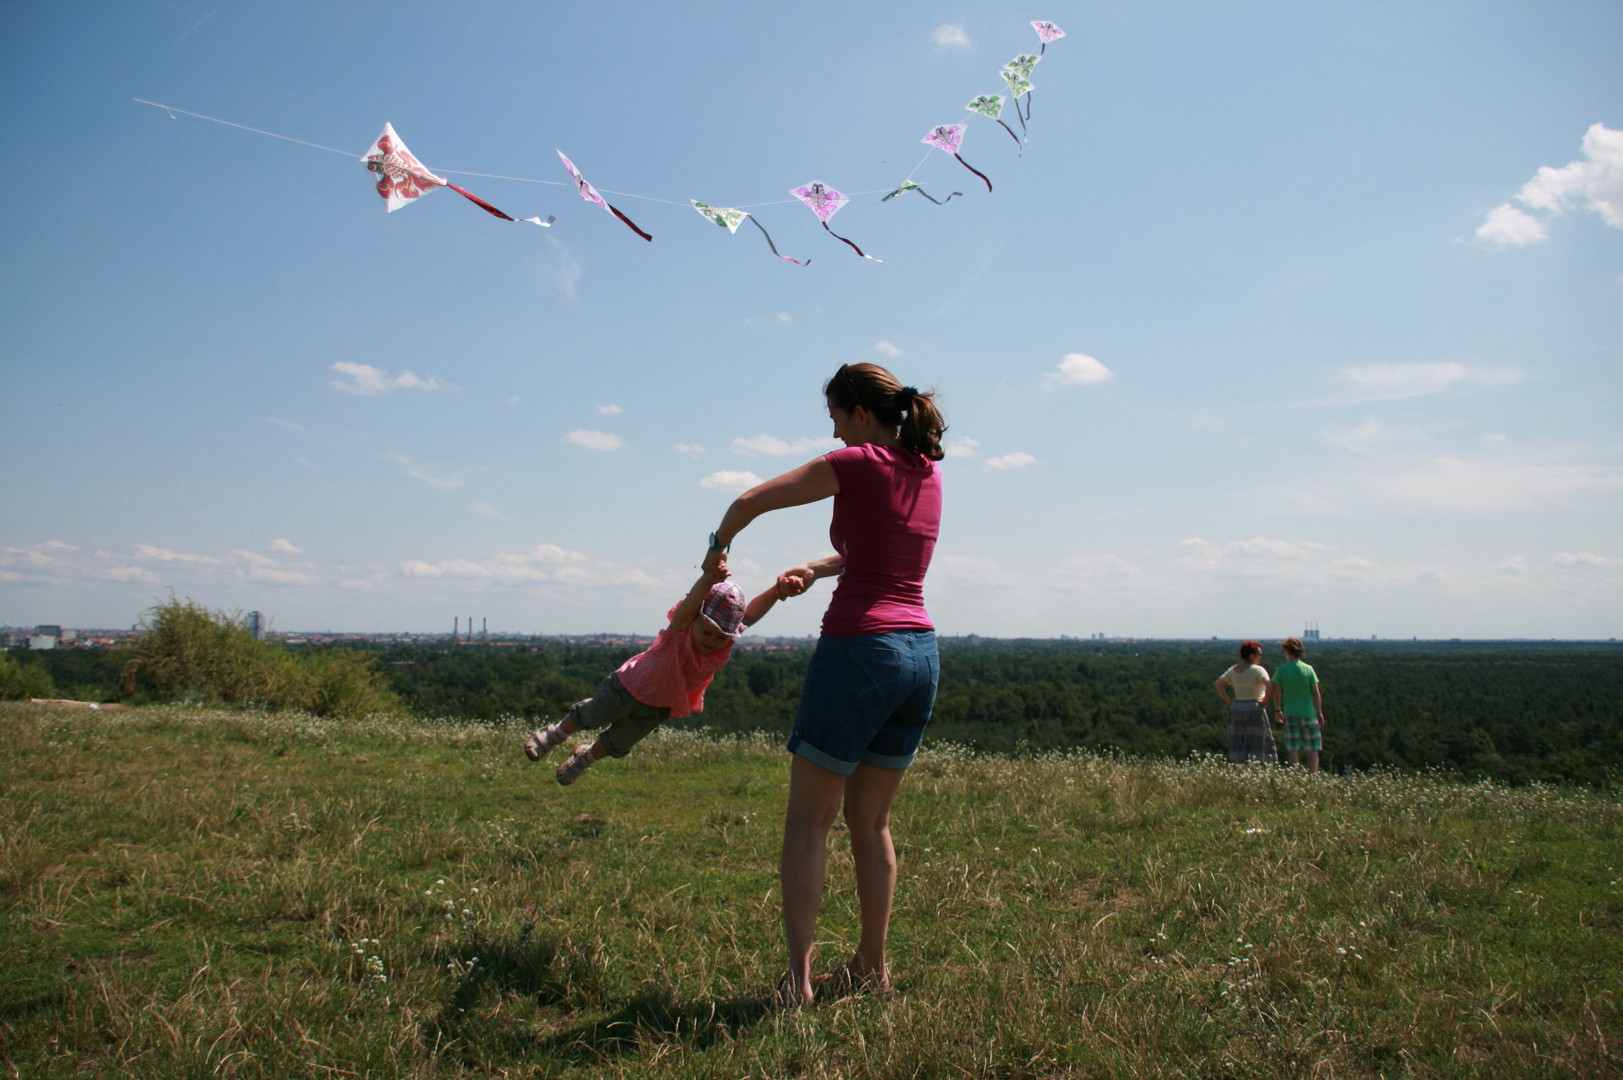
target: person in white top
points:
(1244, 688)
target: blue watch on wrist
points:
(715, 546)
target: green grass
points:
(213, 893)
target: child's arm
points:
(798, 579)
(758, 607)
(688, 609)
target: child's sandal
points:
(576, 764)
(544, 742)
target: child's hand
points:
(795, 581)
(718, 573)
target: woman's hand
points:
(797, 579)
(715, 559)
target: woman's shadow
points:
(553, 974)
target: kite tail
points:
(1012, 135)
(941, 202)
(477, 201)
(629, 222)
(976, 171)
(774, 247)
(848, 243)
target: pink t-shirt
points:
(673, 672)
(886, 518)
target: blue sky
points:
(1287, 311)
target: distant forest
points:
(1513, 711)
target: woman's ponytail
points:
(906, 407)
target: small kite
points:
(948, 137)
(402, 179)
(908, 185)
(825, 202)
(991, 105)
(589, 193)
(1017, 73)
(1046, 32)
(731, 219)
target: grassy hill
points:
(215, 893)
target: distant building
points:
(1311, 633)
(48, 631)
(256, 625)
(41, 641)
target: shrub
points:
(190, 653)
(20, 680)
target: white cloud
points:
(1568, 561)
(1507, 226)
(283, 546)
(1499, 483)
(949, 35)
(563, 273)
(1396, 382)
(514, 399)
(691, 449)
(409, 467)
(1100, 573)
(1017, 460)
(784, 316)
(1594, 182)
(772, 446)
(543, 564)
(610, 410)
(595, 440)
(364, 379)
(1360, 439)
(306, 463)
(887, 350)
(1259, 555)
(732, 481)
(1079, 369)
(962, 447)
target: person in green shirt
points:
(1299, 706)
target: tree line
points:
(1512, 711)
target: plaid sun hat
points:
(724, 606)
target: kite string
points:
(257, 131)
(494, 176)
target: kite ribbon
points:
(482, 204)
(908, 185)
(848, 243)
(774, 247)
(976, 171)
(629, 222)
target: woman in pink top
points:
(871, 683)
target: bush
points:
(20, 680)
(189, 653)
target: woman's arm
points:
(809, 483)
(1318, 704)
(797, 579)
(1222, 680)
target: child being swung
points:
(666, 680)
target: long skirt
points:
(1249, 737)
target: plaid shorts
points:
(1302, 733)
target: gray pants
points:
(628, 720)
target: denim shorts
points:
(866, 700)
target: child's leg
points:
(581, 760)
